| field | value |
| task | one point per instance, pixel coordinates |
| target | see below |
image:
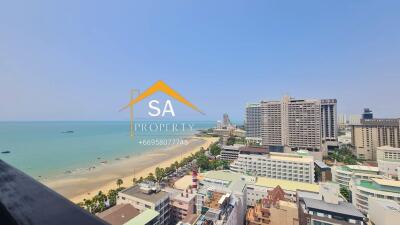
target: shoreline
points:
(86, 184)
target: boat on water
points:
(6, 152)
(68, 132)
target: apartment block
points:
(297, 166)
(148, 196)
(230, 152)
(253, 122)
(362, 190)
(183, 204)
(295, 124)
(373, 133)
(343, 174)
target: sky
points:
(78, 60)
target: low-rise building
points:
(327, 208)
(297, 166)
(383, 211)
(221, 199)
(257, 188)
(230, 152)
(126, 214)
(182, 204)
(388, 161)
(274, 209)
(375, 187)
(147, 196)
(343, 174)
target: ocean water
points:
(44, 149)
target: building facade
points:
(230, 152)
(388, 161)
(343, 174)
(383, 211)
(287, 166)
(253, 121)
(373, 133)
(294, 124)
(362, 190)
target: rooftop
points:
(286, 185)
(119, 214)
(143, 218)
(343, 208)
(183, 182)
(380, 185)
(358, 168)
(136, 192)
(253, 150)
(321, 165)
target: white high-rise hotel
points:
(293, 124)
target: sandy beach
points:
(87, 183)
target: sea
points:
(48, 149)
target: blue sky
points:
(77, 60)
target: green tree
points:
(160, 174)
(119, 182)
(150, 177)
(345, 193)
(202, 162)
(231, 140)
(134, 181)
(215, 149)
(112, 197)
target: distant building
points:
(343, 174)
(253, 122)
(299, 124)
(373, 133)
(287, 166)
(389, 161)
(147, 196)
(327, 208)
(383, 211)
(380, 188)
(273, 209)
(367, 114)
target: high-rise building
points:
(373, 133)
(295, 124)
(253, 121)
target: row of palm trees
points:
(101, 201)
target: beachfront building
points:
(327, 208)
(373, 133)
(343, 174)
(145, 196)
(297, 166)
(221, 199)
(294, 124)
(376, 187)
(388, 161)
(383, 211)
(273, 209)
(230, 152)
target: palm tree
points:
(150, 177)
(119, 182)
(134, 181)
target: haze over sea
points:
(45, 149)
